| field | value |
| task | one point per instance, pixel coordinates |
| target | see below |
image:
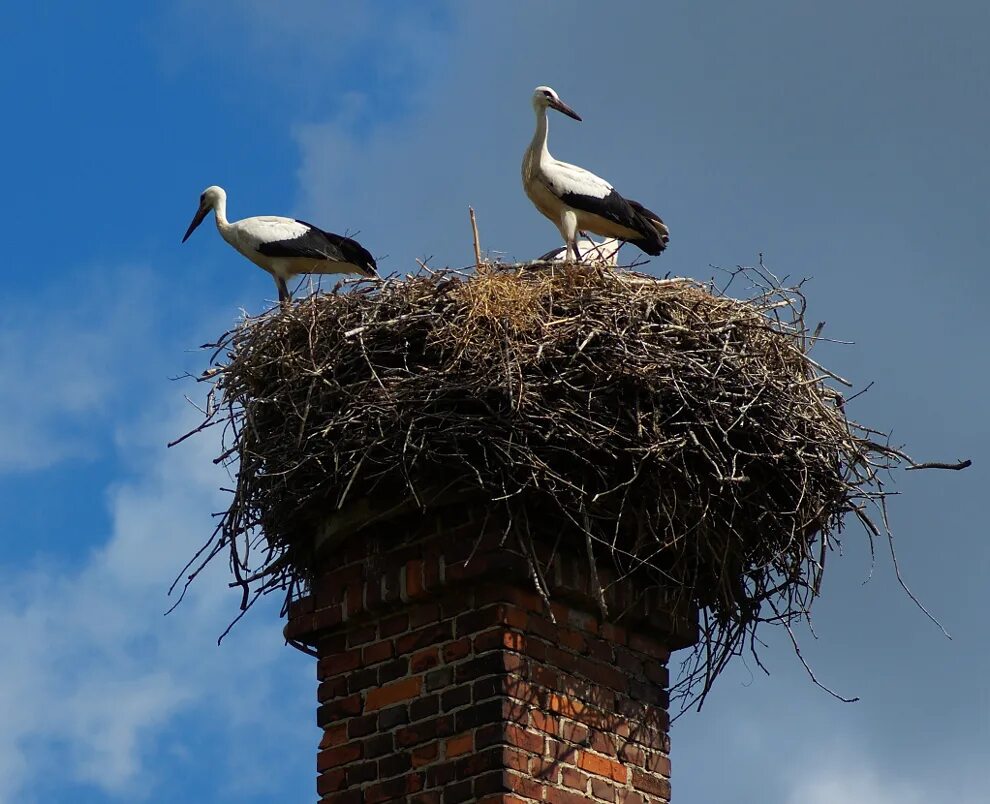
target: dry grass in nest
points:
(685, 436)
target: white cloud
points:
(63, 359)
(851, 775)
(93, 677)
(850, 782)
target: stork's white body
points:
(285, 247)
(604, 253)
(249, 234)
(576, 199)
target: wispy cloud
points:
(65, 355)
(93, 674)
(848, 776)
(94, 680)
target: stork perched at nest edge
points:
(576, 199)
(284, 247)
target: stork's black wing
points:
(595, 196)
(317, 244)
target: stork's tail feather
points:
(653, 224)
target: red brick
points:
(603, 789)
(393, 788)
(556, 795)
(362, 726)
(572, 639)
(393, 693)
(425, 754)
(657, 763)
(479, 762)
(545, 676)
(457, 746)
(601, 673)
(632, 754)
(515, 759)
(341, 755)
(566, 706)
(574, 732)
(377, 652)
(488, 640)
(432, 572)
(391, 626)
(413, 580)
(337, 709)
(603, 743)
(650, 783)
(425, 730)
(327, 618)
(544, 769)
(423, 660)
(457, 649)
(541, 721)
(583, 621)
(524, 785)
(334, 687)
(649, 646)
(334, 735)
(573, 778)
(331, 781)
(353, 601)
(394, 764)
(614, 633)
(526, 740)
(362, 635)
(601, 766)
(302, 605)
(657, 673)
(337, 663)
(431, 635)
(423, 614)
(345, 797)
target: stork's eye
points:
(547, 94)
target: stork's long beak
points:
(196, 221)
(560, 106)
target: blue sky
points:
(848, 142)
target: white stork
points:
(605, 252)
(578, 200)
(283, 246)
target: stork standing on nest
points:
(577, 200)
(284, 247)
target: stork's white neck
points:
(220, 209)
(538, 147)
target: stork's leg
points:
(283, 290)
(568, 228)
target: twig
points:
(477, 242)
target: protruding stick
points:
(477, 244)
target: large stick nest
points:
(684, 435)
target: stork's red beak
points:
(196, 221)
(560, 106)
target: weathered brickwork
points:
(443, 679)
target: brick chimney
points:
(443, 678)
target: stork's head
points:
(211, 198)
(545, 97)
